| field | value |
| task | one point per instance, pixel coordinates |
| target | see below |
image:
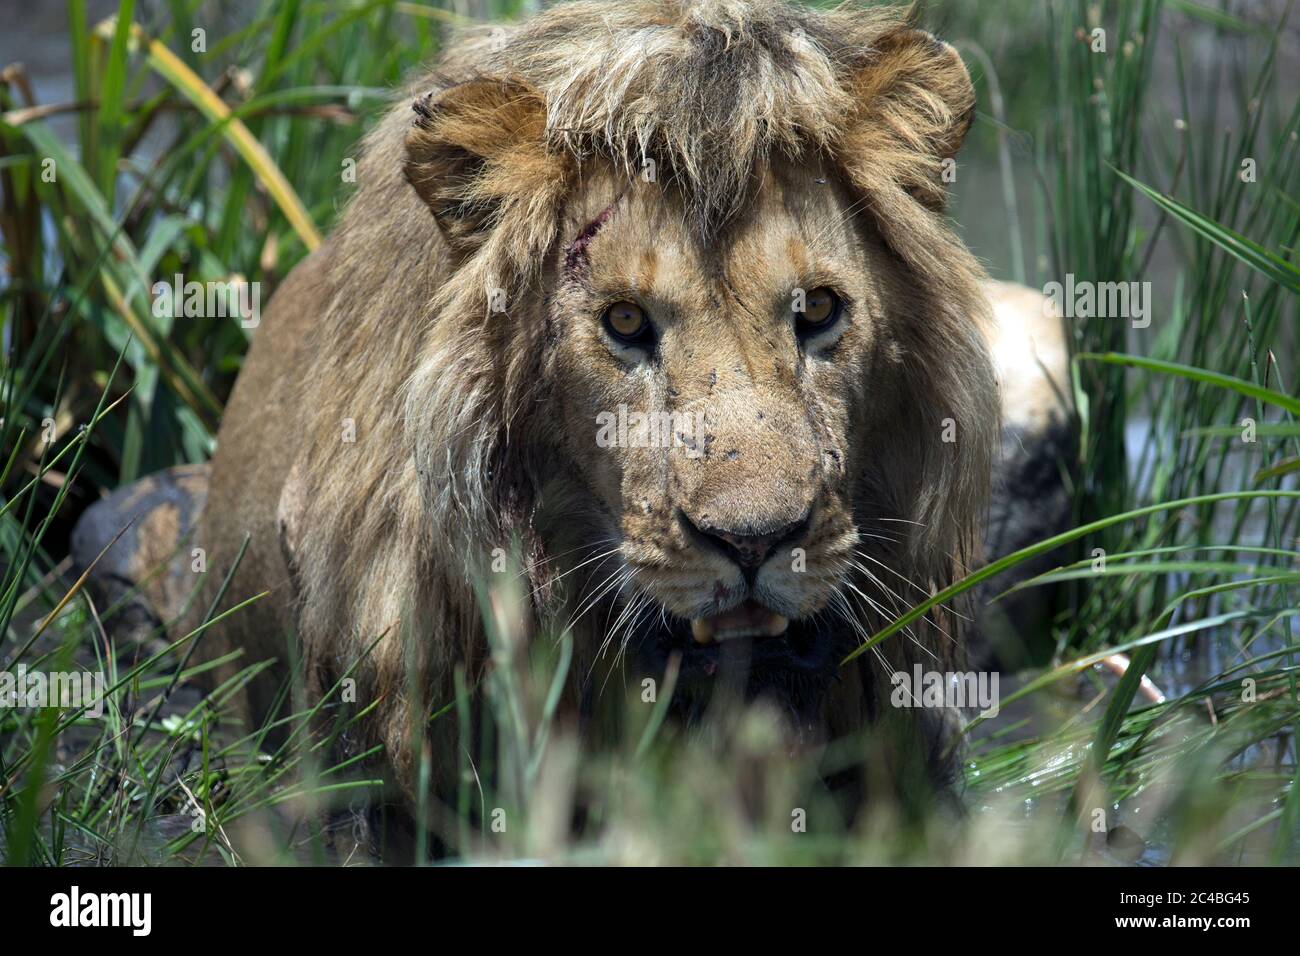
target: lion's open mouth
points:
(750, 636)
(750, 649)
(750, 619)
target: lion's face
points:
(714, 411)
(740, 412)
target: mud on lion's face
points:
(735, 384)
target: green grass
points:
(228, 162)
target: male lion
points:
(660, 297)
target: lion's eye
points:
(627, 322)
(821, 310)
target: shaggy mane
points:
(438, 388)
(708, 90)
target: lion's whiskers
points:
(906, 580)
(847, 613)
(640, 603)
(617, 577)
(880, 609)
(603, 556)
(896, 599)
(589, 546)
(623, 615)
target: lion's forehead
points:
(797, 227)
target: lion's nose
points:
(745, 547)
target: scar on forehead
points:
(575, 256)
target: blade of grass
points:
(1266, 263)
(191, 86)
(1239, 385)
(1042, 547)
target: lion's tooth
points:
(777, 625)
(702, 630)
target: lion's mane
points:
(440, 388)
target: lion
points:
(660, 299)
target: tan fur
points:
(1029, 349)
(790, 148)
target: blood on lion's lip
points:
(750, 619)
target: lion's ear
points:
(915, 104)
(476, 152)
